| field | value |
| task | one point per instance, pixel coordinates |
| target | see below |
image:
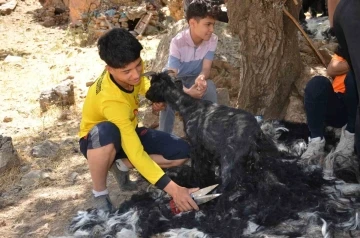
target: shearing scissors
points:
(201, 196)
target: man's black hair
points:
(200, 9)
(118, 48)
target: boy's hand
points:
(195, 91)
(158, 106)
(201, 83)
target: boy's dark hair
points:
(199, 9)
(118, 48)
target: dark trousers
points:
(347, 31)
(325, 107)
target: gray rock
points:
(45, 149)
(8, 7)
(223, 96)
(24, 168)
(149, 118)
(8, 155)
(47, 98)
(31, 178)
(61, 95)
(65, 91)
(73, 177)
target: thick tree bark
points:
(270, 59)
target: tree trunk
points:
(269, 54)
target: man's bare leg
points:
(99, 161)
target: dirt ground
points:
(48, 56)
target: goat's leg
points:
(202, 163)
(232, 164)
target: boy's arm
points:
(174, 58)
(206, 67)
(337, 67)
(207, 63)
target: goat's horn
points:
(169, 71)
(150, 73)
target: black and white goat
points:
(266, 192)
(218, 134)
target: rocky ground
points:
(39, 196)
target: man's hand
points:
(181, 196)
(158, 106)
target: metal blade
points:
(203, 191)
(206, 198)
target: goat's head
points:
(159, 84)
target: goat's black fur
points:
(260, 184)
(217, 133)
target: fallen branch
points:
(306, 36)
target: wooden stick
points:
(306, 36)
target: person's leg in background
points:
(165, 149)
(167, 119)
(347, 29)
(210, 93)
(317, 93)
(167, 116)
(350, 101)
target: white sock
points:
(121, 166)
(315, 139)
(101, 193)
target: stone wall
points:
(77, 8)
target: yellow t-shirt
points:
(105, 101)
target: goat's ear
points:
(149, 74)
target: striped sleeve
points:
(174, 56)
(212, 47)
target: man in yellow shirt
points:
(110, 136)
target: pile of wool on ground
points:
(279, 195)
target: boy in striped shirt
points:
(191, 55)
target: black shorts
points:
(154, 142)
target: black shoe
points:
(103, 202)
(122, 178)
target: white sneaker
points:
(346, 143)
(315, 147)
